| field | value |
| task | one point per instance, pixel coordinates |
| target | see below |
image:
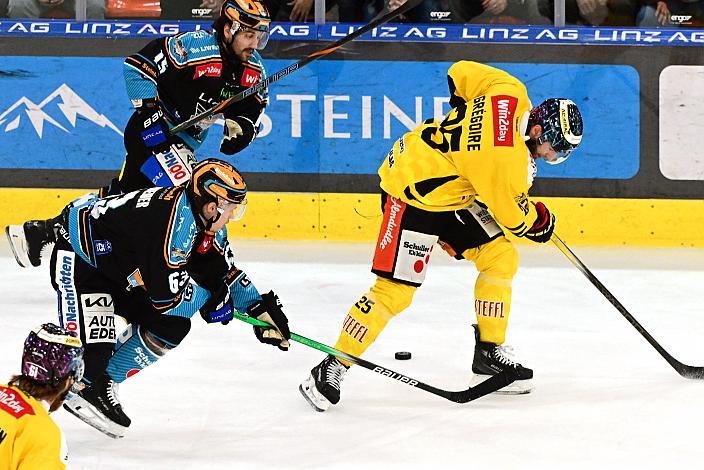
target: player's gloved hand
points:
(544, 225)
(153, 127)
(269, 310)
(218, 308)
(239, 133)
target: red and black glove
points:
(544, 225)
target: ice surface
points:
(604, 398)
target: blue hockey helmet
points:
(561, 124)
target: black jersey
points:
(189, 73)
(149, 240)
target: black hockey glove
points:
(239, 133)
(153, 127)
(218, 308)
(544, 225)
(269, 310)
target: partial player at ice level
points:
(603, 399)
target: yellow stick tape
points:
(356, 217)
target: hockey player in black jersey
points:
(154, 257)
(168, 81)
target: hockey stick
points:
(376, 22)
(492, 384)
(689, 372)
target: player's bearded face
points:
(244, 43)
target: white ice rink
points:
(603, 399)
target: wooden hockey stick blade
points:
(375, 22)
(689, 372)
(490, 385)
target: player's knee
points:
(167, 333)
(394, 295)
(498, 258)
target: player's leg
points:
(145, 342)
(477, 237)
(400, 260)
(86, 306)
(144, 167)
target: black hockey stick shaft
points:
(218, 108)
(690, 372)
(490, 385)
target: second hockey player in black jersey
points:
(168, 81)
(174, 78)
(154, 257)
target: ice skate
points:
(28, 240)
(322, 387)
(99, 406)
(490, 359)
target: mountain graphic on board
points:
(66, 100)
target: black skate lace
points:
(504, 354)
(335, 374)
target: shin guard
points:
(497, 263)
(370, 314)
(136, 348)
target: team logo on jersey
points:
(504, 108)
(102, 247)
(208, 70)
(249, 77)
(522, 202)
(179, 49)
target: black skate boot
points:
(322, 387)
(490, 359)
(28, 240)
(99, 406)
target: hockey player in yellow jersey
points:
(29, 439)
(459, 183)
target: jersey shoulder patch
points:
(192, 47)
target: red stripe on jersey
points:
(504, 108)
(387, 243)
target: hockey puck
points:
(402, 355)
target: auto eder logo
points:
(68, 103)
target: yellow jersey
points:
(478, 150)
(29, 438)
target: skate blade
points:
(314, 399)
(18, 244)
(519, 387)
(87, 413)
